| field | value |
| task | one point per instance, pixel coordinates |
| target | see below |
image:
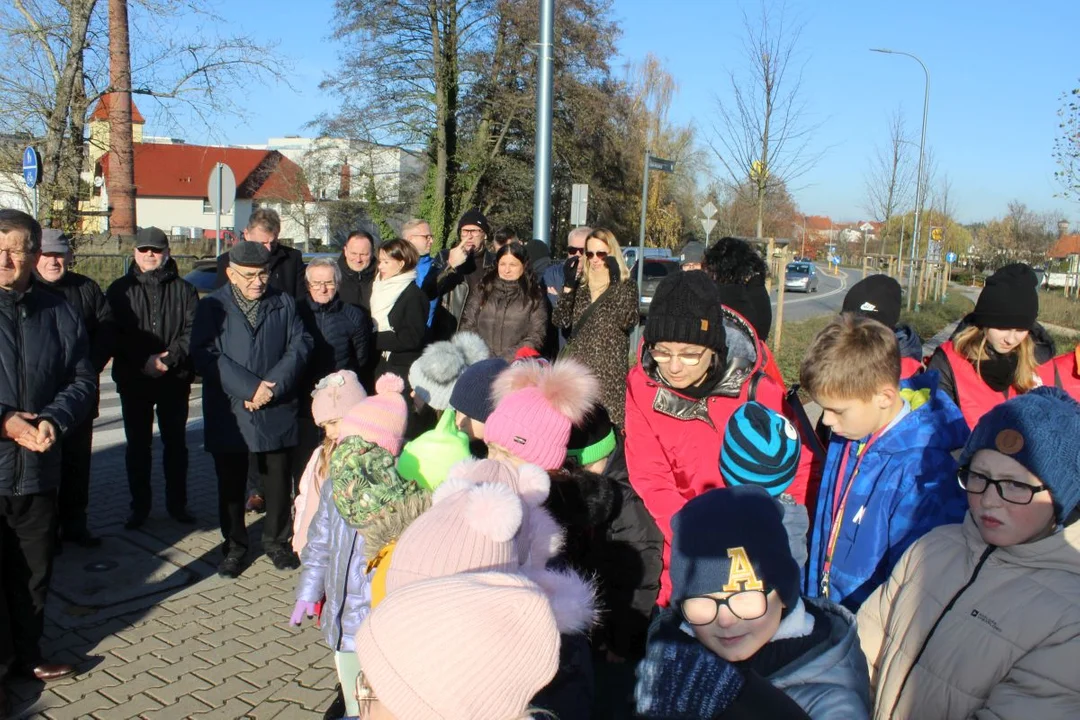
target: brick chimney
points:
(1063, 228)
(345, 186)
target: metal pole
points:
(641, 232)
(217, 213)
(542, 186)
(919, 173)
(35, 202)
(900, 250)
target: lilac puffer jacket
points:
(334, 565)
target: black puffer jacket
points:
(233, 358)
(286, 270)
(85, 295)
(151, 313)
(44, 369)
(507, 320)
(610, 535)
(356, 285)
(341, 334)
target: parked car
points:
(202, 276)
(801, 277)
(630, 254)
(656, 269)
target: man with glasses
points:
(458, 271)
(152, 312)
(357, 267)
(47, 388)
(286, 266)
(418, 233)
(250, 347)
(53, 272)
(555, 275)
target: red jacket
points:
(910, 367)
(1063, 372)
(673, 442)
(973, 395)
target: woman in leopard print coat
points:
(599, 305)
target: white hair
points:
(323, 262)
(578, 232)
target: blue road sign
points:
(950, 257)
(31, 167)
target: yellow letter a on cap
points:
(741, 576)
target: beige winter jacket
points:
(1003, 627)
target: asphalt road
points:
(826, 301)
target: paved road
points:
(826, 301)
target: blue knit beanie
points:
(761, 447)
(471, 395)
(732, 538)
(1041, 431)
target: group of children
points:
(490, 568)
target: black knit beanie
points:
(876, 297)
(753, 303)
(686, 309)
(474, 217)
(1009, 300)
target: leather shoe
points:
(136, 520)
(182, 516)
(283, 558)
(231, 566)
(48, 672)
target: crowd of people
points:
(499, 508)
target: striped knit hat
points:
(381, 418)
(761, 447)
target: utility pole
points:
(542, 181)
(121, 184)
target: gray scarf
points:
(250, 308)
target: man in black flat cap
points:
(152, 311)
(250, 347)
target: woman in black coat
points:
(509, 309)
(399, 310)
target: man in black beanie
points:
(457, 271)
(878, 297)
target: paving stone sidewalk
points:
(155, 632)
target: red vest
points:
(910, 367)
(1063, 372)
(973, 395)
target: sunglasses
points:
(574, 250)
(602, 254)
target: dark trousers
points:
(74, 494)
(310, 438)
(27, 543)
(275, 468)
(138, 404)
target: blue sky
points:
(998, 69)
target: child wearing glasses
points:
(699, 363)
(738, 639)
(981, 619)
(889, 474)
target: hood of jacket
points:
(934, 418)
(160, 275)
(580, 498)
(386, 529)
(911, 345)
(816, 680)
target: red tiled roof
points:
(1065, 246)
(182, 171)
(818, 223)
(101, 112)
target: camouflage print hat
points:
(365, 481)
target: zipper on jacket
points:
(20, 368)
(345, 595)
(945, 611)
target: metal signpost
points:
(579, 205)
(221, 192)
(31, 169)
(708, 222)
(651, 163)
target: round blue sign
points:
(950, 257)
(31, 167)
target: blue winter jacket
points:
(423, 269)
(905, 486)
(334, 565)
(233, 358)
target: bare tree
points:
(1067, 145)
(762, 135)
(889, 179)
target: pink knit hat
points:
(381, 418)
(475, 646)
(486, 516)
(334, 395)
(536, 405)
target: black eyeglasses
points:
(574, 250)
(599, 253)
(745, 605)
(1011, 491)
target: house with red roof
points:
(1067, 247)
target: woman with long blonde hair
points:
(599, 306)
(996, 351)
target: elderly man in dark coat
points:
(251, 347)
(47, 387)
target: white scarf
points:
(384, 293)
